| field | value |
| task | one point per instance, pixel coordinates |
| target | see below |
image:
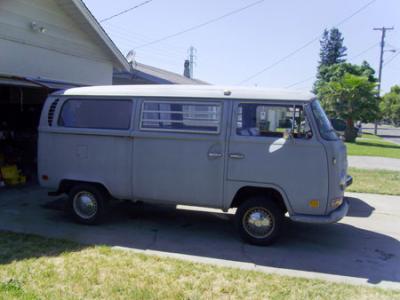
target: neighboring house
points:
(145, 74)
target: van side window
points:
(96, 114)
(199, 117)
(271, 120)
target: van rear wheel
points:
(87, 203)
(259, 221)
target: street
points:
(363, 248)
(389, 133)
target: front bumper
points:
(349, 180)
(333, 217)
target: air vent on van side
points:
(52, 109)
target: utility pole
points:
(192, 56)
(383, 30)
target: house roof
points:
(156, 75)
(83, 17)
(191, 91)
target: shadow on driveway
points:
(340, 249)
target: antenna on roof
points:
(131, 57)
(186, 70)
(192, 54)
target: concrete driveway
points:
(363, 248)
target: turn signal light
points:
(314, 203)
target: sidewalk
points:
(374, 162)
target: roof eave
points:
(95, 25)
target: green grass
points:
(32, 267)
(375, 181)
(371, 145)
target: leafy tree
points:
(337, 71)
(349, 97)
(390, 106)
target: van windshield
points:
(324, 125)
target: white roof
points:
(190, 91)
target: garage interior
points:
(20, 108)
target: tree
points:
(390, 106)
(332, 49)
(349, 97)
(332, 52)
(337, 71)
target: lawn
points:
(32, 267)
(375, 181)
(371, 145)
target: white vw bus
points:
(264, 152)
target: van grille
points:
(52, 109)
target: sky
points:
(235, 49)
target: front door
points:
(178, 152)
(260, 153)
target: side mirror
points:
(338, 124)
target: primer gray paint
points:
(176, 168)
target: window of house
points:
(181, 117)
(96, 114)
(271, 120)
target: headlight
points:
(335, 203)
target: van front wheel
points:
(259, 221)
(87, 203)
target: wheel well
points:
(249, 191)
(67, 184)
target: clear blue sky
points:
(234, 48)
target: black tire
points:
(274, 217)
(97, 195)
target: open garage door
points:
(21, 102)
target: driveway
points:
(363, 248)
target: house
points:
(145, 74)
(47, 45)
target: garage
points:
(21, 102)
(45, 46)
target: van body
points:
(195, 145)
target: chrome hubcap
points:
(258, 222)
(85, 205)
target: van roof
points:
(190, 91)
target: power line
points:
(305, 45)
(144, 38)
(365, 51)
(123, 39)
(125, 11)
(392, 58)
(300, 82)
(201, 24)
(352, 57)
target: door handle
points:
(236, 155)
(214, 154)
